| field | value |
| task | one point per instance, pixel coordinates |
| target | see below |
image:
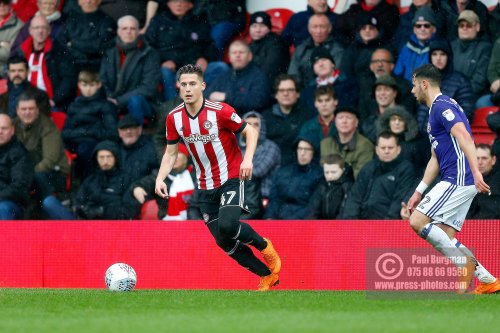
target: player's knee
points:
(229, 221)
(416, 224)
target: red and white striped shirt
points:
(209, 137)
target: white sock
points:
(481, 273)
(441, 242)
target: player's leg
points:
(435, 208)
(232, 198)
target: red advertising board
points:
(316, 255)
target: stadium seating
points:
(480, 129)
(149, 210)
(59, 118)
(279, 18)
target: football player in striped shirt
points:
(208, 131)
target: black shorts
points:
(230, 194)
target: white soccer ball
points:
(120, 277)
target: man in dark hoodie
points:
(105, 194)
(382, 183)
(267, 160)
(453, 83)
(294, 184)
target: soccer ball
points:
(120, 277)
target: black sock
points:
(245, 257)
(251, 237)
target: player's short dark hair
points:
(286, 77)
(429, 72)
(388, 135)
(189, 69)
(25, 97)
(325, 90)
(486, 146)
(89, 77)
(333, 159)
(14, 60)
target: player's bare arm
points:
(431, 172)
(466, 143)
(167, 163)
(251, 136)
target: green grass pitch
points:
(82, 310)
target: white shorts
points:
(448, 203)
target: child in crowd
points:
(328, 200)
(91, 118)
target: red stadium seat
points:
(3, 86)
(149, 210)
(59, 118)
(69, 179)
(480, 115)
(279, 18)
(487, 138)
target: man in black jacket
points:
(381, 184)
(16, 172)
(88, 32)
(181, 38)
(105, 194)
(487, 205)
(130, 71)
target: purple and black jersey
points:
(453, 165)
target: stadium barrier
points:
(316, 255)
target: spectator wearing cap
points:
(296, 30)
(386, 14)
(415, 52)
(405, 28)
(269, 50)
(385, 92)
(326, 73)
(129, 71)
(10, 25)
(320, 29)
(353, 147)
(357, 55)
(182, 38)
(453, 8)
(180, 189)
(137, 151)
(382, 183)
(245, 86)
(90, 119)
(382, 63)
(453, 83)
(471, 56)
(88, 33)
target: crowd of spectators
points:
(341, 135)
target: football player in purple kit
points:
(441, 213)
